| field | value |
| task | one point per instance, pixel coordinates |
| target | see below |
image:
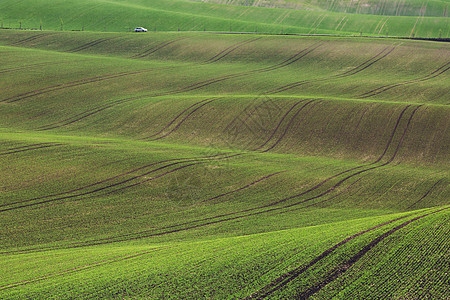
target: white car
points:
(140, 29)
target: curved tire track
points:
(89, 45)
(29, 39)
(366, 64)
(98, 188)
(229, 50)
(242, 188)
(27, 67)
(156, 48)
(281, 281)
(278, 125)
(73, 84)
(439, 71)
(287, 127)
(426, 194)
(29, 148)
(77, 269)
(199, 105)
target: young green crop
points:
(191, 165)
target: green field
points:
(414, 19)
(196, 165)
(434, 8)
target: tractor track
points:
(74, 84)
(156, 48)
(325, 200)
(288, 126)
(283, 280)
(283, 64)
(366, 64)
(229, 50)
(81, 81)
(89, 45)
(118, 176)
(27, 67)
(29, 39)
(278, 125)
(426, 194)
(176, 118)
(78, 269)
(98, 109)
(243, 187)
(343, 267)
(439, 71)
(199, 105)
(192, 161)
(29, 148)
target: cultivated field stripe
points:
(29, 66)
(77, 83)
(116, 177)
(30, 39)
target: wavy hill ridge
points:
(192, 166)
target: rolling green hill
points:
(180, 15)
(437, 8)
(220, 166)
